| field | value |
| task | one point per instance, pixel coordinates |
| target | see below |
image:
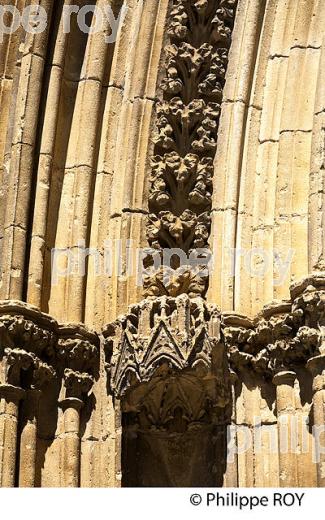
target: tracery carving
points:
(187, 126)
(174, 333)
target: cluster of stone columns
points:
(279, 357)
(35, 351)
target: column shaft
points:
(317, 367)
(287, 424)
(71, 450)
(9, 409)
(28, 440)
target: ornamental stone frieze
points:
(188, 113)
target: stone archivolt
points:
(180, 197)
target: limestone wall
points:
(77, 133)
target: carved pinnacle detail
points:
(169, 343)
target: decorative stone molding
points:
(187, 128)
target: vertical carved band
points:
(180, 197)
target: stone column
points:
(10, 397)
(28, 439)
(231, 477)
(78, 356)
(71, 451)
(286, 409)
(27, 339)
(317, 367)
(77, 385)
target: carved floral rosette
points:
(180, 197)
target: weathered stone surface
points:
(202, 126)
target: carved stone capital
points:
(27, 344)
(78, 359)
(12, 393)
(316, 365)
(179, 333)
(25, 327)
(77, 384)
(283, 336)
